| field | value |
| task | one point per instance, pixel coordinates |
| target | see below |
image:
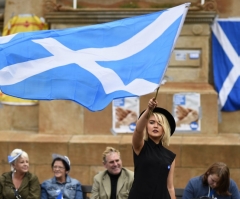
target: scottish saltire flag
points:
(226, 62)
(91, 65)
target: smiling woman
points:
(19, 182)
(61, 185)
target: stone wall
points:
(83, 135)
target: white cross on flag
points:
(226, 62)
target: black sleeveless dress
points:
(151, 168)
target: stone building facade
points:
(66, 128)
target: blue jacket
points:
(195, 189)
(71, 189)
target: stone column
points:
(15, 117)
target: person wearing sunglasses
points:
(61, 185)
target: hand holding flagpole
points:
(155, 98)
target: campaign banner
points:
(186, 111)
(125, 113)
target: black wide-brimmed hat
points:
(168, 115)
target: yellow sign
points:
(6, 99)
(24, 23)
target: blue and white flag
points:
(226, 62)
(91, 65)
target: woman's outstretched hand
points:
(152, 104)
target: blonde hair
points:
(166, 128)
(16, 152)
(109, 150)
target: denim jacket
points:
(71, 189)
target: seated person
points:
(61, 185)
(19, 182)
(214, 183)
(115, 182)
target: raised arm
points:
(138, 134)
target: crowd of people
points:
(152, 177)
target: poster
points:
(186, 111)
(125, 113)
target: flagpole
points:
(74, 4)
(156, 94)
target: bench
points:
(179, 193)
(86, 189)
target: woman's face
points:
(59, 169)
(22, 165)
(213, 179)
(154, 127)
